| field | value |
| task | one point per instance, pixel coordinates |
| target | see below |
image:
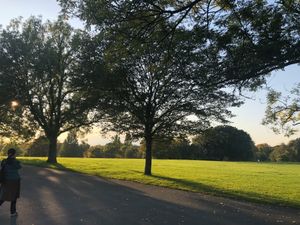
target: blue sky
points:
(248, 116)
(13, 8)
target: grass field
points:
(275, 183)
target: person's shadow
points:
(13, 220)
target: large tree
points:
(39, 64)
(255, 37)
(154, 92)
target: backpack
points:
(2, 174)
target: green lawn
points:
(276, 183)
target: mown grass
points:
(275, 183)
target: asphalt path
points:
(51, 197)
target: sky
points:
(248, 117)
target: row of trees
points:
(115, 149)
(72, 147)
(151, 69)
(219, 143)
(285, 152)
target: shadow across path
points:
(53, 197)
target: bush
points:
(225, 143)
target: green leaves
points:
(41, 63)
(225, 143)
(283, 112)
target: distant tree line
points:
(280, 153)
(72, 147)
(222, 143)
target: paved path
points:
(51, 197)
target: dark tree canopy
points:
(253, 37)
(40, 64)
(226, 143)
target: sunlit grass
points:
(276, 183)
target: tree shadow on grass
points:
(193, 186)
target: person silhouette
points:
(10, 188)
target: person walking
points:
(10, 188)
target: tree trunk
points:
(148, 164)
(52, 153)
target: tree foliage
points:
(253, 37)
(262, 152)
(71, 147)
(286, 153)
(5, 145)
(40, 63)
(114, 149)
(38, 148)
(226, 143)
(172, 148)
(281, 153)
(11, 123)
(294, 145)
(283, 112)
